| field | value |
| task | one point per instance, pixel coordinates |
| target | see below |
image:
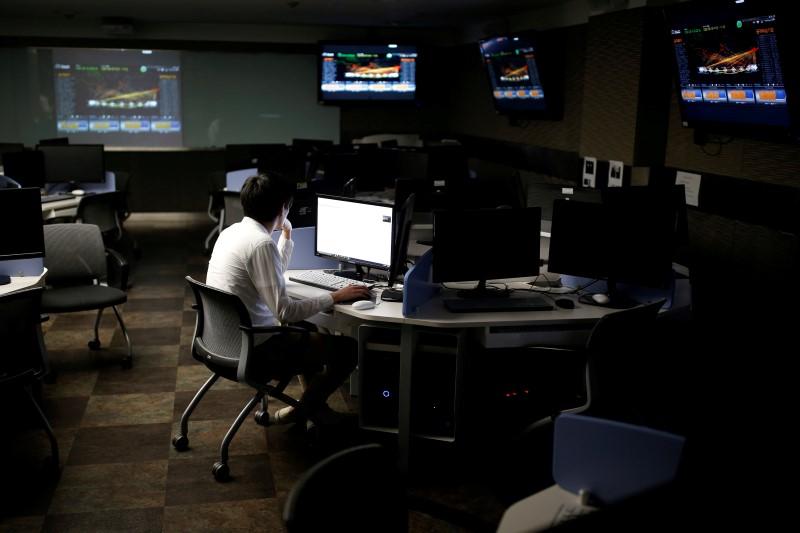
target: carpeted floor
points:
(119, 470)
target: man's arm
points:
(266, 270)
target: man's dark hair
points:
(264, 195)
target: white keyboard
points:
(323, 280)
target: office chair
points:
(226, 208)
(223, 341)
(356, 489)
(596, 463)
(24, 359)
(616, 351)
(77, 265)
(100, 209)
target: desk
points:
(61, 208)
(19, 283)
(559, 326)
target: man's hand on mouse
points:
(351, 292)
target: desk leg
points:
(407, 341)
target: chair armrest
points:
(118, 270)
(273, 329)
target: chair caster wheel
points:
(94, 344)
(127, 363)
(180, 442)
(262, 418)
(221, 472)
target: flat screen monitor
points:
(461, 237)
(512, 63)
(355, 231)
(241, 156)
(25, 167)
(21, 223)
(731, 65)
(74, 163)
(578, 236)
(367, 72)
(55, 141)
(643, 225)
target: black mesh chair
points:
(77, 264)
(223, 341)
(100, 209)
(357, 489)
(617, 350)
(24, 360)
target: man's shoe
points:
(284, 416)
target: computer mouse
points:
(363, 305)
(600, 298)
(565, 303)
(77, 192)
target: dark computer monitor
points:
(403, 215)
(25, 167)
(6, 148)
(483, 244)
(630, 238)
(355, 231)
(578, 239)
(21, 224)
(260, 156)
(430, 194)
(491, 192)
(56, 141)
(74, 163)
(643, 224)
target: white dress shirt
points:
(247, 263)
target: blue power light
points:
(386, 394)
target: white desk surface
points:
(19, 283)
(433, 313)
(61, 208)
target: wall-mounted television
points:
(731, 60)
(367, 72)
(515, 72)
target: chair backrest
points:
(74, 254)
(101, 210)
(20, 334)
(356, 489)
(218, 340)
(619, 349)
(612, 460)
(233, 211)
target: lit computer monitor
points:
(74, 163)
(21, 224)
(25, 167)
(355, 231)
(484, 244)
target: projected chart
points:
(118, 97)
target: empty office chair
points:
(77, 266)
(100, 209)
(223, 341)
(596, 463)
(24, 359)
(356, 489)
(230, 212)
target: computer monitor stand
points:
(482, 291)
(357, 274)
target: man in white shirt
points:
(248, 263)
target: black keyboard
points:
(478, 305)
(56, 197)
